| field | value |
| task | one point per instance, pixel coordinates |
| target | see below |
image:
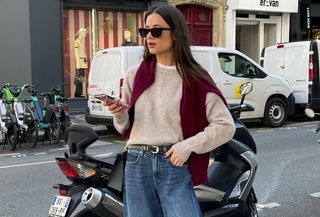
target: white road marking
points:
(56, 149)
(317, 194)
(40, 153)
(8, 154)
(19, 155)
(28, 164)
(269, 206)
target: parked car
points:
(272, 96)
(297, 63)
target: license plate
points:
(59, 206)
(96, 107)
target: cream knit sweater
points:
(157, 116)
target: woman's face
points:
(164, 43)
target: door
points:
(296, 71)
(273, 60)
(199, 21)
(234, 72)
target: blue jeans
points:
(154, 187)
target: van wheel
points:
(276, 113)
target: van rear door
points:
(273, 59)
(290, 61)
(104, 77)
(296, 70)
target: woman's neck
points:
(166, 59)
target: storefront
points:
(90, 26)
(252, 25)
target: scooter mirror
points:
(309, 112)
(246, 88)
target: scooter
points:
(8, 123)
(97, 183)
(311, 114)
(56, 113)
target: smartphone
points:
(105, 97)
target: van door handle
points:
(282, 66)
(227, 82)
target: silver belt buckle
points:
(156, 151)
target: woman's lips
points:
(151, 44)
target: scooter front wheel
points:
(31, 134)
(12, 137)
(251, 201)
(54, 131)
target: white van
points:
(271, 97)
(297, 63)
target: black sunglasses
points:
(155, 32)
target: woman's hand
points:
(115, 107)
(175, 159)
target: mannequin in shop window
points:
(127, 37)
(81, 62)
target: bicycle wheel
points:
(12, 137)
(31, 134)
(54, 131)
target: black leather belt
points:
(150, 148)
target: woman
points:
(176, 116)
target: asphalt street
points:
(287, 181)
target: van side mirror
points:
(251, 72)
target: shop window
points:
(86, 32)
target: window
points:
(238, 66)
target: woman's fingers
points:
(174, 158)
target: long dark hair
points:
(185, 63)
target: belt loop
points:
(143, 149)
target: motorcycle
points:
(97, 183)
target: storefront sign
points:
(289, 6)
(269, 3)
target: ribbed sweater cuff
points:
(182, 150)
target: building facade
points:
(53, 41)
(252, 25)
